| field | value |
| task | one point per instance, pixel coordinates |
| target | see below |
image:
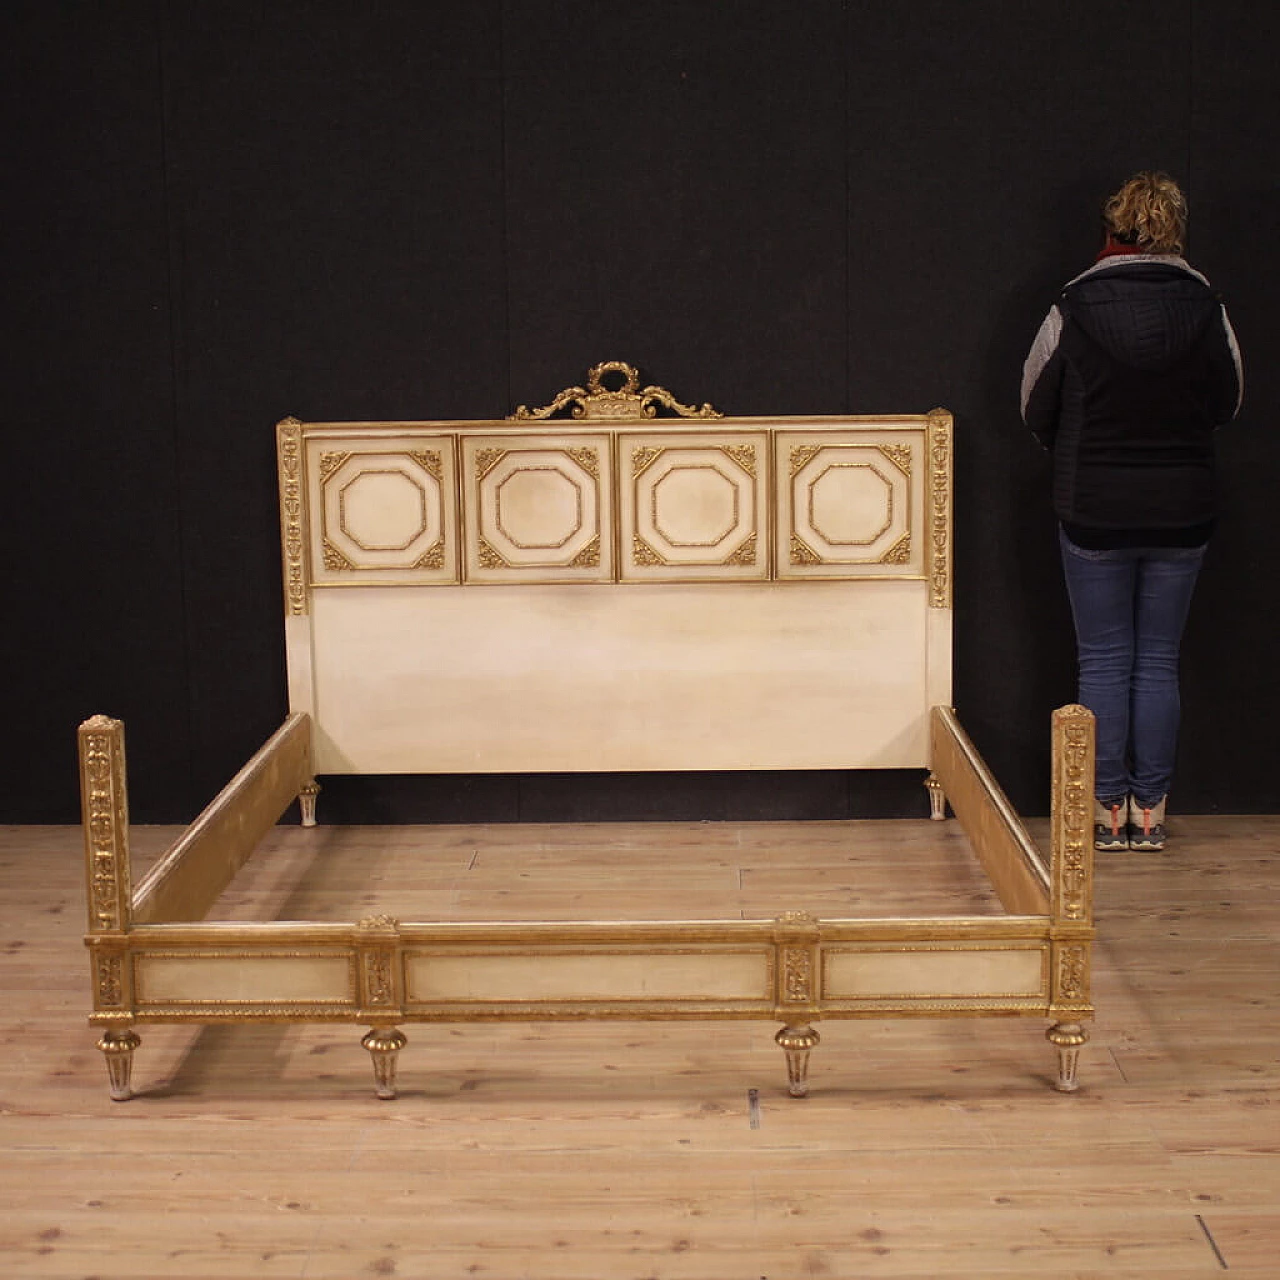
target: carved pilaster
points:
(938, 503)
(1071, 815)
(378, 946)
(292, 541)
(105, 809)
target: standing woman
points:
(1131, 371)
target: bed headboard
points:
(616, 590)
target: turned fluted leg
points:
(117, 1047)
(307, 802)
(384, 1044)
(796, 1043)
(1068, 1036)
(937, 799)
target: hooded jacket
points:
(1130, 374)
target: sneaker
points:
(1146, 825)
(1109, 829)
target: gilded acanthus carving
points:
(801, 553)
(1073, 974)
(587, 459)
(589, 556)
(432, 558)
(333, 558)
(743, 454)
(899, 455)
(488, 557)
(486, 460)
(801, 454)
(899, 553)
(429, 461)
(289, 438)
(745, 554)
(110, 980)
(642, 457)
(599, 402)
(643, 554)
(330, 462)
(797, 973)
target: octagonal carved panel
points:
(849, 503)
(693, 505)
(386, 510)
(537, 508)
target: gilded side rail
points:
(195, 870)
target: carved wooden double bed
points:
(612, 590)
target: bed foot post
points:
(117, 1047)
(1068, 1036)
(307, 802)
(796, 1042)
(937, 798)
(384, 1045)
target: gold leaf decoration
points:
(899, 455)
(588, 557)
(333, 558)
(587, 459)
(899, 553)
(802, 554)
(643, 554)
(429, 461)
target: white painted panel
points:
(610, 677)
(168, 979)
(942, 974)
(515, 979)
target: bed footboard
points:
(381, 972)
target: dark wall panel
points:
(675, 198)
(982, 139)
(89, 520)
(231, 211)
(335, 185)
(1227, 749)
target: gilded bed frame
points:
(610, 591)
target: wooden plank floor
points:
(927, 1149)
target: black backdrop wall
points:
(224, 212)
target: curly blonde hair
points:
(1149, 211)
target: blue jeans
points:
(1130, 606)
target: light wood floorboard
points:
(927, 1149)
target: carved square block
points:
(383, 511)
(850, 503)
(693, 506)
(537, 508)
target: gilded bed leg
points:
(384, 1044)
(796, 1043)
(1068, 1036)
(937, 798)
(307, 802)
(118, 1047)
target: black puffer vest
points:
(1142, 390)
